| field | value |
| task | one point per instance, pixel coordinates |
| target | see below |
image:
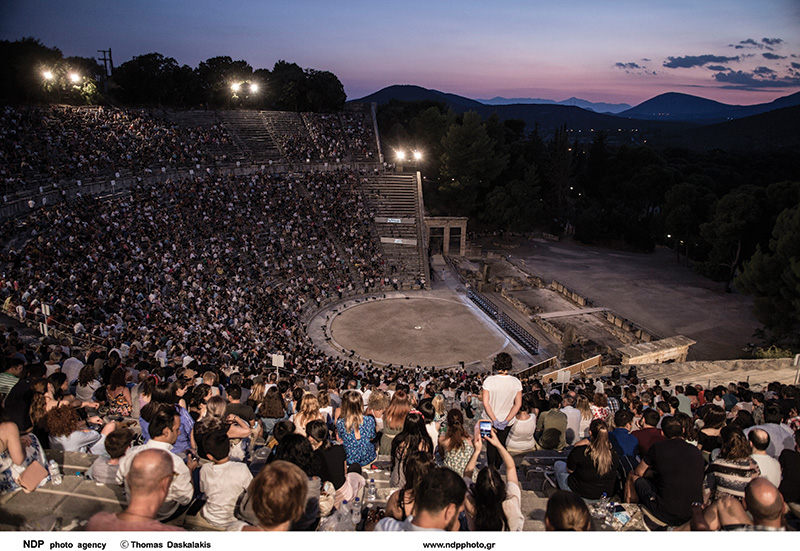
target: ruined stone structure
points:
(442, 229)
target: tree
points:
(469, 163)
(732, 233)
(559, 176)
(289, 81)
(773, 277)
(516, 206)
(325, 92)
(22, 65)
(147, 79)
(686, 206)
(218, 74)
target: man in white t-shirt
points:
(222, 480)
(72, 368)
(502, 398)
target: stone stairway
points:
(394, 199)
(250, 129)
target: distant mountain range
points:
(674, 106)
(674, 119)
(612, 108)
(546, 117)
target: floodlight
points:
(401, 155)
(417, 155)
(253, 88)
(75, 77)
(48, 75)
(235, 86)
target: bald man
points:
(761, 499)
(769, 466)
(148, 480)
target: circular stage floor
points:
(416, 331)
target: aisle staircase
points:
(396, 201)
(250, 130)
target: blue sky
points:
(733, 51)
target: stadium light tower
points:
(407, 159)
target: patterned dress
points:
(457, 459)
(359, 450)
(9, 472)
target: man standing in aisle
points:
(502, 398)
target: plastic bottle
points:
(372, 492)
(355, 514)
(55, 472)
(603, 508)
(344, 521)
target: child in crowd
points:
(104, 469)
(222, 480)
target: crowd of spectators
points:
(177, 296)
(219, 266)
(331, 137)
(48, 144)
(225, 411)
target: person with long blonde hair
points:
(583, 406)
(394, 416)
(256, 394)
(356, 430)
(591, 467)
(308, 410)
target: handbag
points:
(32, 477)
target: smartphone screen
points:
(486, 428)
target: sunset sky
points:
(734, 51)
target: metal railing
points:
(512, 328)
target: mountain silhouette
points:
(672, 119)
(547, 117)
(674, 106)
(607, 108)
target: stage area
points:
(422, 331)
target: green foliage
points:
(732, 233)
(771, 353)
(470, 163)
(325, 92)
(216, 77)
(23, 65)
(148, 79)
(772, 276)
(154, 79)
(686, 205)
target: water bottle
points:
(372, 492)
(356, 512)
(603, 508)
(344, 515)
(55, 472)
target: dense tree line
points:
(734, 217)
(154, 79)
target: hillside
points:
(674, 106)
(774, 130)
(547, 117)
